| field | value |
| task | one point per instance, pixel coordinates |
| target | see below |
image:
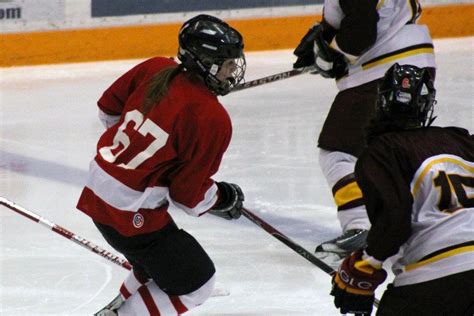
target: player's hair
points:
(158, 86)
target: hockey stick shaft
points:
(287, 241)
(66, 233)
(273, 78)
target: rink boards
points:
(64, 31)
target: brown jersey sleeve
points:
(358, 30)
(387, 198)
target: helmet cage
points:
(205, 43)
(406, 96)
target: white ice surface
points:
(48, 133)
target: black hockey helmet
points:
(406, 97)
(205, 43)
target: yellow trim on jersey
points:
(344, 286)
(398, 56)
(347, 193)
(439, 257)
(380, 4)
(427, 168)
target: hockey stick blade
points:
(273, 78)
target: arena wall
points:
(62, 31)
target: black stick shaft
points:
(287, 241)
(272, 78)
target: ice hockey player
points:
(356, 42)
(418, 185)
(167, 133)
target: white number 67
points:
(122, 141)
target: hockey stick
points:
(287, 241)
(290, 243)
(273, 78)
(218, 291)
(66, 233)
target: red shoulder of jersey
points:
(200, 131)
(114, 98)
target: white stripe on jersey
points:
(122, 197)
(438, 269)
(210, 198)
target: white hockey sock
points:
(150, 300)
(131, 284)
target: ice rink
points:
(48, 133)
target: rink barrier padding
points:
(142, 41)
(107, 8)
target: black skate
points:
(333, 251)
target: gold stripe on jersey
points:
(443, 255)
(380, 4)
(427, 168)
(399, 54)
(347, 193)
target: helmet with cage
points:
(206, 44)
(406, 97)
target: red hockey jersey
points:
(147, 164)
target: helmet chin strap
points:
(209, 75)
(214, 69)
(217, 86)
(431, 118)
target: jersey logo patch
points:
(138, 220)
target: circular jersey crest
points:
(138, 220)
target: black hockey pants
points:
(171, 257)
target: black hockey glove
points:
(328, 62)
(354, 284)
(230, 202)
(305, 49)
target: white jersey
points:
(418, 186)
(442, 179)
(399, 39)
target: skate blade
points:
(330, 258)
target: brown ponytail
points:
(158, 86)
